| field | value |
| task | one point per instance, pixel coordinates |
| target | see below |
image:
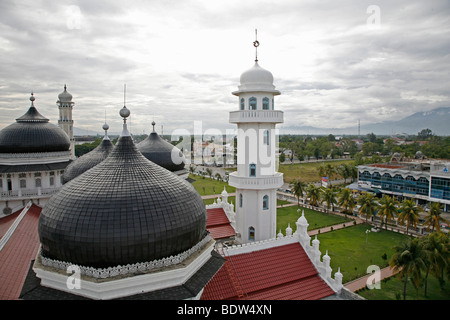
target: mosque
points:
(122, 222)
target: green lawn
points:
(207, 186)
(392, 289)
(307, 172)
(315, 219)
(353, 250)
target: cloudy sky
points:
(335, 62)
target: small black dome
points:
(33, 133)
(124, 210)
(88, 160)
(159, 151)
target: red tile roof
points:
(278, 273)
(16, 255)
(218, 224)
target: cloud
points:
(181, 60)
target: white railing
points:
(28, 193)
(271, 182)
(272, 116)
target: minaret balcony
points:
(256, 116)
(274, 181)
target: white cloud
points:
(181, 59)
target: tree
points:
(436, 247)
(298, 187)
(329, 171)
(282, 157)
(409, 213)
(329, 196)
(368, 204)
(313, 194)
(433, 219)
(424, 134)
(388, 209)
(345, 200)
(408, 260)
(209, 172)
(344, 171)
(218, 176)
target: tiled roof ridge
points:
(14, 225)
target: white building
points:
(33, 156)
(256, 179)
(65, 122)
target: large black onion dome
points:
(124, 210)
(159, 151)
(88, 160)
(33, 133)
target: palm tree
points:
(436, 246)
(218, 176)
(353, 172)
(368, 204)
(298, 187)
(388, 209)
(408, 260)
(329, 170)
(313, 194)
(344, 171)
(345, 200)
(329, 196)
(409, 213)
(209, 172)
(433, 219)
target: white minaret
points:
(65, 122)
(256, 179)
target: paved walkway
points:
(361, 283)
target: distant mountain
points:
(437, 120)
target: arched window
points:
(240, 200)
(266, 103)
(266, 137)
(242, 103)
(38, 183)
(251, 234)
(266, 202)
(252, 170)
(252, 103)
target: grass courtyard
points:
(307, 171)
(351, 249)
(289, 215)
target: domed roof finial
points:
(105, 127)
(153, 124)
(32, 98)
(256, 45)
(65, 87)
(124, 113)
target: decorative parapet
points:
(274, 181)
(256, 116)
(110, 272)
(34, 157)
(28, 193)
(227, 207)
